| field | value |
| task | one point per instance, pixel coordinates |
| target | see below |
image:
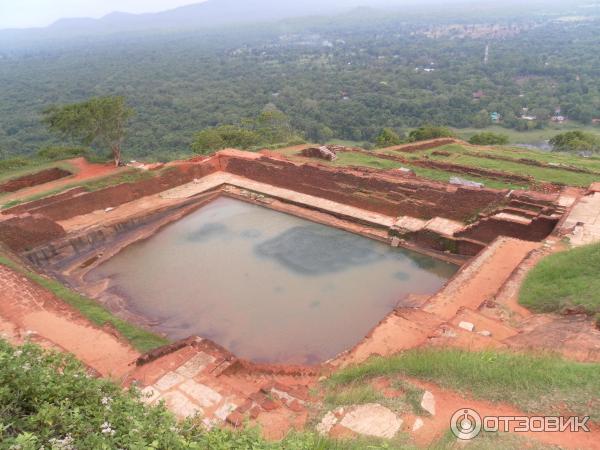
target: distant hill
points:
(208, 14)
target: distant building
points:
(529, 118)
(558, 119)
(478, 95)
(495, 117)
(596, 121)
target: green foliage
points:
(564, 280)
(535, 383)
(13, 163)
(182, 82)
(100, 120)
(49, 401)
(388, 138)
(138, 337)
(56, 153)
(488, 138)
(270, 129)
(430, 132)
(225, 136)
(575, 141)
(273, 126)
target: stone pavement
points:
(202, 380)
(582, 225)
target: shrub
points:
(430, 132)
(575, 141)
(388, 138)
(47, 400)
(212, 139)
(487, 138)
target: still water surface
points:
(268, 286)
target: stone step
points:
(444, 227)
(507, 217)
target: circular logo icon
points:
(466, 424)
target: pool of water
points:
(267, 286)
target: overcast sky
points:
(39, 13)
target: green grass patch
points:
(566, 279)
(531, 137)
(534, 383)
(139, 338)
(360, 159)
(544, 174)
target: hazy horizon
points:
(42, 13)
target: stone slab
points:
(200, 393)
(195, 365)
(168, 381)
(372, 419)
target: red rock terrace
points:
(67, 235)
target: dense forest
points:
(347, 77)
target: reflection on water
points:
(268, 286)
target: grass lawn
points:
(360, 159)
(546, 174)
(533, 383)
(564, 279)
(528, 137)
(139, 338)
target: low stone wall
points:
(369, 190)
(44, 176)
(489, 228)
(124, 193)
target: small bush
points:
(428, 132)
(487, 138)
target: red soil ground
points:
(83, 170)
(36, 313)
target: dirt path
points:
(26, 309)
(448, 402)
(83, 171)
(481, 280)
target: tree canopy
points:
(388, 138)
(224, 136)
(270, 127)
(575, 141)
(100, 121)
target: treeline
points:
(346, 80)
